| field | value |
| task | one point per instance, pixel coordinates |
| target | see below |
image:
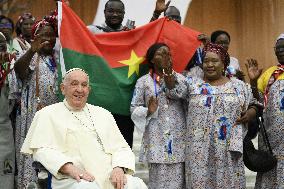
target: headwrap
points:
(219, 50)
(20, 21)
(47, 21)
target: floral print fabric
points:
(214, 150)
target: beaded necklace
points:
(93, 125)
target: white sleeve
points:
(140, 118)
(139, 109)
(52, 160)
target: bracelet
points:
(168, 74)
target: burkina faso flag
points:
(114, 61)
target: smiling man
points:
(80, 144)
(114, 15)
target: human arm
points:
(123, 159)
(142, 111)
(203, 38)
(176, 86)
(248, 115)
(253, 73)
(23, 63)
(251, 108)
(118, 178)
(161, 6)
(60, 165)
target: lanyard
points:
(155, 85)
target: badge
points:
(168, 147)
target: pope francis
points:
(80, 144)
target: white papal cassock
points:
(60, 134)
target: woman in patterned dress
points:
(38, 73)
(217, 108)
(270, 86)
(21, 44)
(162, 121)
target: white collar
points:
(70, 108)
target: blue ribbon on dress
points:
(51, 64)
(169, 147)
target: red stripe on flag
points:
(117, 46)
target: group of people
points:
(193, 123)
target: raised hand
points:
(118, 178)
(253, 71)
(152, 105)
(161, 6)
(37, 44)
(246, 116)
(203, 38)
(166, 62)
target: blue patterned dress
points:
(47, 93)
(214, 150)
(274, 124)
(164, 134)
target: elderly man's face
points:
(76, 89)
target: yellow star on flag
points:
(133, 62)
